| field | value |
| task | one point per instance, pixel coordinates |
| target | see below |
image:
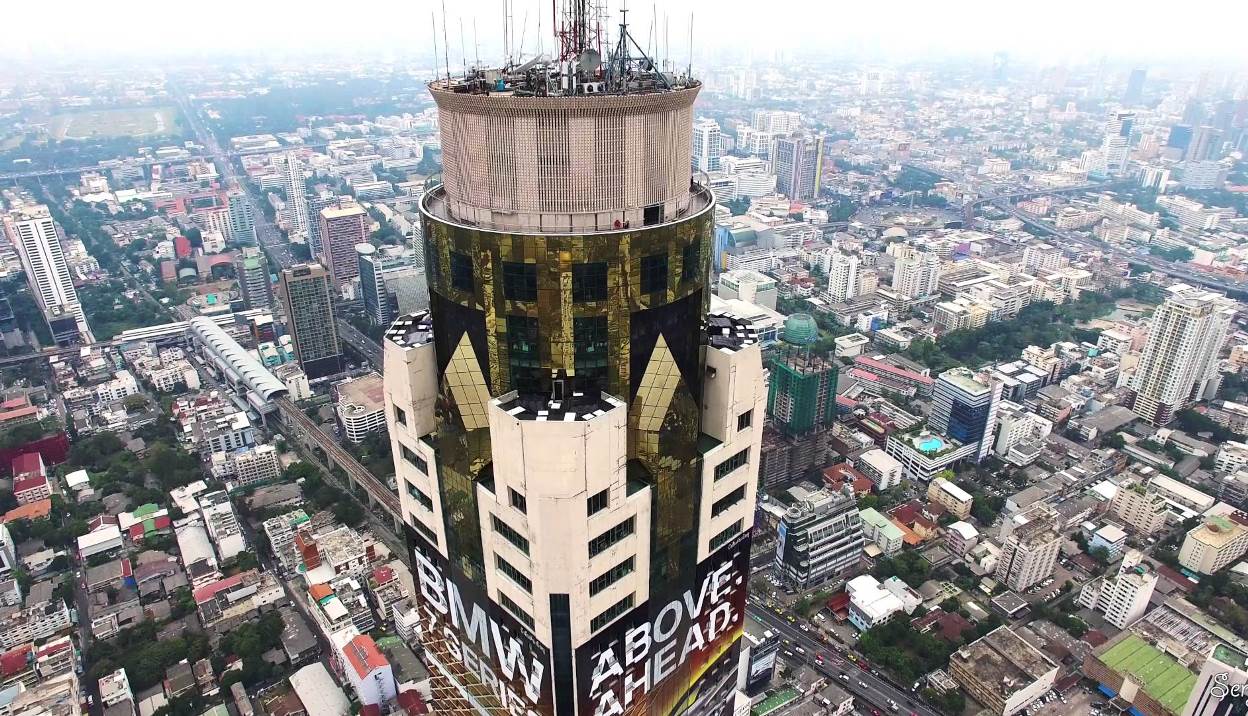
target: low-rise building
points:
(1122, 598)
(881, 531)
(257, 465)
(361, 406)
(951, 497)
(872, 603)
(1216, 544)
(961, 537)
(881, 468)
(1139, 508)
(821, 538)
(1002, 671)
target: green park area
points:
(106, 123)
(775, 701)
(1162, 677)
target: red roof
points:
(364, 657)
(210, 591)
(29, 483)
(30, 511)
(27, 464)
(55, 648)
(15, 661)
(18, 413)
(411, 703)
(20, 401)
(383, 574)
(893, 370)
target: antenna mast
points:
(433, 21)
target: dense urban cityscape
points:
(913, 386)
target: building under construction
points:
(576, 440)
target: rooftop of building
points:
(366, 394)
(1162, 678)
(570, 408)
(1003, 660)
(1217, 531)
(412, 330)
(729, 333)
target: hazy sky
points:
(1053, 30)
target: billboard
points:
(677, 657)
(479, 638)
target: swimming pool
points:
(931, 444)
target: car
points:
(800, 650)
(843, 677)
(862, 684)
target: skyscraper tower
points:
(916, 273)
(296, 196)
(1135, 87)
(1180, 361)
(252, 270)
(1117, 144)
(964, 407)
(798, 162)
(707, 145)
(33, 232)
(307, 295)
(575, 440)
(341, 229)
(242, 222)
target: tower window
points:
(691, 262)
(523, 358)
(519, 281)
(590, 337)
(589, 282)
(597, 503)
(461, 272)
(654, 273)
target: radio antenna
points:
(433, 21)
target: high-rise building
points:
(295, 185)
(1180, 137)
(1030, 543)
(252, 271)
(821, 538)
(1134, 93)
(1180, 361)
(916, 273)
(1116, 147)
(33, 232)
(316, 202)
(576, 461)
(801, 395)
(391, 283)
(1205, 144)
(707, 145)
(843, 277)
(1042, 257)
(1143, 510)
(798, 164)
(242, 222)
(1124, 597)
(777, 121)
(342, 228)
(307, 295)
(964, 407)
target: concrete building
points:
(843, 277)
(1225, 669)
(1110, 538)
(798, 165)
(707, 145)
(821, 538)
(361, 406)
(881, 468)
(295, 185)
(252, 270)
(923, 454)
(801, 395)
(256, 465)
(1122, 598)
(33, 233)
(964, 407)
(872, 603)
(953, 498)
(748, 285)
(1020, 434)
(1216, 544)
(961, 537)
(1002, 671)
(881, 531)
(1029, 548)
(1179, 363)
(307, 295)
(1116, 147)
(916, 273)
(391, 283)
(342, 229)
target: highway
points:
(361, 343)
(358, 474)
(864, 685)
(270, 238)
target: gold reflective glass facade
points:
(653, 356)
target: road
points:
(864, 685)
(270, 238)
(359, 342)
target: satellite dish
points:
(589, 62)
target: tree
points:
(134, 403)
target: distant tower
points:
(1117, 143)
(341, 229)
(798, 162)
(1135, 87)
(242, 221)
(307, 295)
(707, 145)
(295, 185)
(916, 273)
(252, 270)
(38, 244)
(1180, 361)
(576, 441)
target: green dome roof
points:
(800, 329)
